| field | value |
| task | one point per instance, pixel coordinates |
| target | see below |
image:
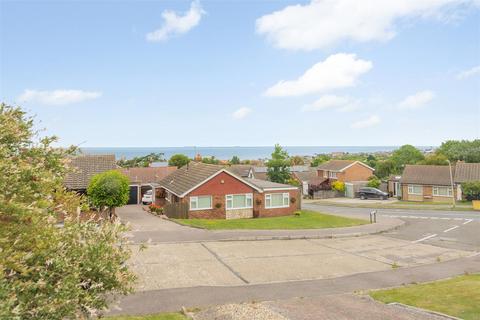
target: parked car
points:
(147, 197)
(368, 193)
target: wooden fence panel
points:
(177, 210)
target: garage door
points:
(133, 195)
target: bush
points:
(155, 209)
(338, 186)
(373, 182)
(471, 190)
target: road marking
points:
(450, 229)
(474, 255)
(458, 219)
(468, 221)
(425, 238)
(445, 218)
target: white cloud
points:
(369, 122)
(469, 73)
(58, 97)
(343, 104)
(417, 100)
(241, 113)
(324, 23)
(337, 71)
(175, 24)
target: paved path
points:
(151, 229)
(173, 299)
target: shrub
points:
(338, 186)
(258, 202)
(293, 200)
(471, 190)
(218, 205)
(373, 182)
(155, 209)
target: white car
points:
(147, 197)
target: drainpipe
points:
(451, 183)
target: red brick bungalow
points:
(214, 192)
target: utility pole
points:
(451, 183)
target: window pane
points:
(285, 199)
(249, 200)
(193, 203)
(239, 201)
(204, 202)
(277, 200)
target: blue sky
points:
(212, 73)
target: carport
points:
(137, 190)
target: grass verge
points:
(159, 316)
(458, 297)
(305, 220)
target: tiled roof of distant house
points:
(427, 175)
(306, 175)
(268, 185)
(144, 175)
(339, 165)
(466, 172)
(84, 167)
(241, 170)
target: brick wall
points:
(259, 210)
(426, 196)
(357, 172)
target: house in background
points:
(215, 192)
(84, 167)
(307, 178)
(427, 183)
(143, 179)
(242, 170)
(465, 172)
(345, 170)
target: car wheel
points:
(362, 197)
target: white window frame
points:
(229, 197)
(410, 189)
(285, 195)
(435, 191)
(195, 198)
(168, 196)
(332, 175)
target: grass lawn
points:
(459, 297)
(159, 316)
(306, 220)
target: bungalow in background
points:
(143, 179)
(199, 190)
(84, 167)
(242, 170)
(465, 172)
(427, 183)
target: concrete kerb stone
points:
(424, 311)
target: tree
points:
(319, 159)
(235, 160)
(471, 190)
(278, 166)
(435, 159)
(385, 168)
(294, 182)
(109, 190)
(143, 161)
(50, 272)
(297, 161)
(178, 160)
(406, 154)
(210, 160)
(454, 150)
(373, 182)
(371, 160)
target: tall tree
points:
(235, 160)
(178, 160)
(278, 166)
(385, 168)
(109, 190)
(319, 159)
(406, 154)
(297, 161)
(454, 150)
(435, 159)
(50, 272)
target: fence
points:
(326, 194)
(177, 210)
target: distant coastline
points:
(243, 153)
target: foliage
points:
(235, 160)
(338, 186)
(156, 209)
(293, 182)
(109, 189)
(178, 160)
(278, 166)
(143, 161)
(50, 272)
(373, 182)
(471, 190)
(305, 220)
(210, 160)
(385, 168)
(454, 150)
(435, 159)
(319, 159)
(371, 161)
(406, 154)
(297, 161)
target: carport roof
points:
(466, 172)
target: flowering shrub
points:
(338, 186)
(155, 209)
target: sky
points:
(244, 73)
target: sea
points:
(244, 153)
